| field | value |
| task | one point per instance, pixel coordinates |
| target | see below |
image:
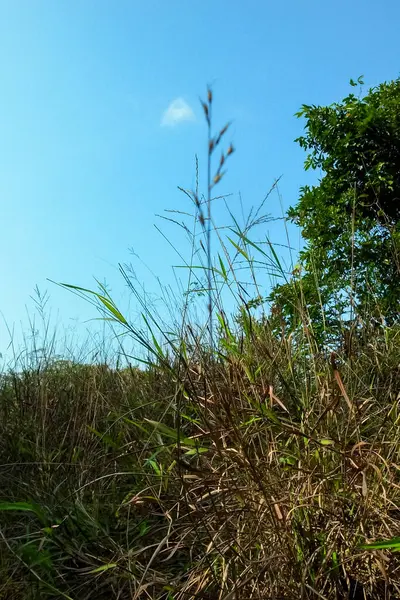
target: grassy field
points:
(240, 461)
(257, 476)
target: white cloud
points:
(177, 112)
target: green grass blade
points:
(239, 249)
(392, 544)
(103, 568)
(23, 507)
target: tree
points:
(350, 220)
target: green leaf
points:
(105, 438)
(326, 442)
(247, 241)
(143, 528)
(103, 568)
(105, 301)
(171, 433)
(276, 258)
(154, 466)
(136, 424)
(223, 270)
(224, 326)
(392, 544)
(199, 450)
(249, 374)
(113, 309)
(239, 249)
(24, 507)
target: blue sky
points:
(88, 155)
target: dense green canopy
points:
(350, 264)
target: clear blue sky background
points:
(85, 163)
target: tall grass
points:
(239, 462)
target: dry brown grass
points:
(264, 484)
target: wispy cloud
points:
(177, 112)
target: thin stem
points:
(209, 185)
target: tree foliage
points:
(350, 220)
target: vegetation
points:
(252, 457)
(351, 219)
